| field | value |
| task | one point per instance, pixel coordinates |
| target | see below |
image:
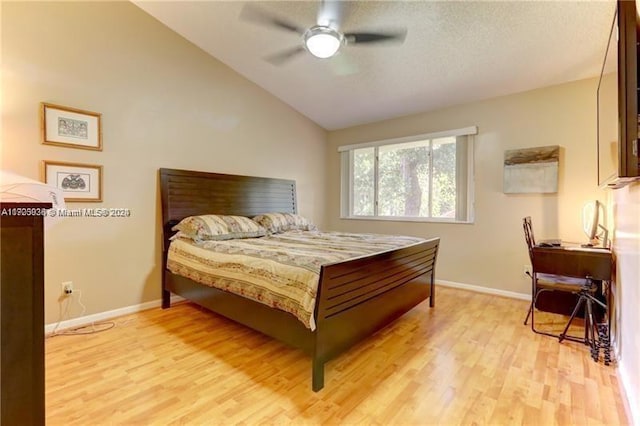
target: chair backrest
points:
(528, 235)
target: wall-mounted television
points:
(618, 99)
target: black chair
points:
(586, 290)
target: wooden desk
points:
(570, 261)
(579, 263)
(574, 262)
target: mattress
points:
(282, 270)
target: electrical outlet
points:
(67, 288)
(527, 270)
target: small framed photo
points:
(70, 127)
(78, 182)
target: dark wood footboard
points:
(358, 297)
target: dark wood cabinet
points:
(618, 156)
(22, 314)
(628, 160)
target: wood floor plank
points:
(467, 361)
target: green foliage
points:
(444, 180)
(403, 180)
(363, 181)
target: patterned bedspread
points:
(281, 271)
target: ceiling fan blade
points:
(255, 14)
(282, 57)
(397, 36)
(331, 13)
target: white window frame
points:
(346, 177)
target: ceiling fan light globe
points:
(322, 43)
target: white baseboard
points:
(628, 392)
(487, 290)
(103, 316)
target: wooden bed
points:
(383, 286)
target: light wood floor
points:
(469, 360)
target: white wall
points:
(165, 103)
(627, 249)
(491, 252)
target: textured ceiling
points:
(454, 52)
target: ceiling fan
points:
(324, 39)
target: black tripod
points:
(595, 337)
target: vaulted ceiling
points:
(454, 52)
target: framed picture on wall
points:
(70, 127)
(531, 170)
(78, 182)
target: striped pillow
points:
(275, 223)
(219, 227)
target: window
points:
(425, 177)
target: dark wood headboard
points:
(189, 193)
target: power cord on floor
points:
(94, 327)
